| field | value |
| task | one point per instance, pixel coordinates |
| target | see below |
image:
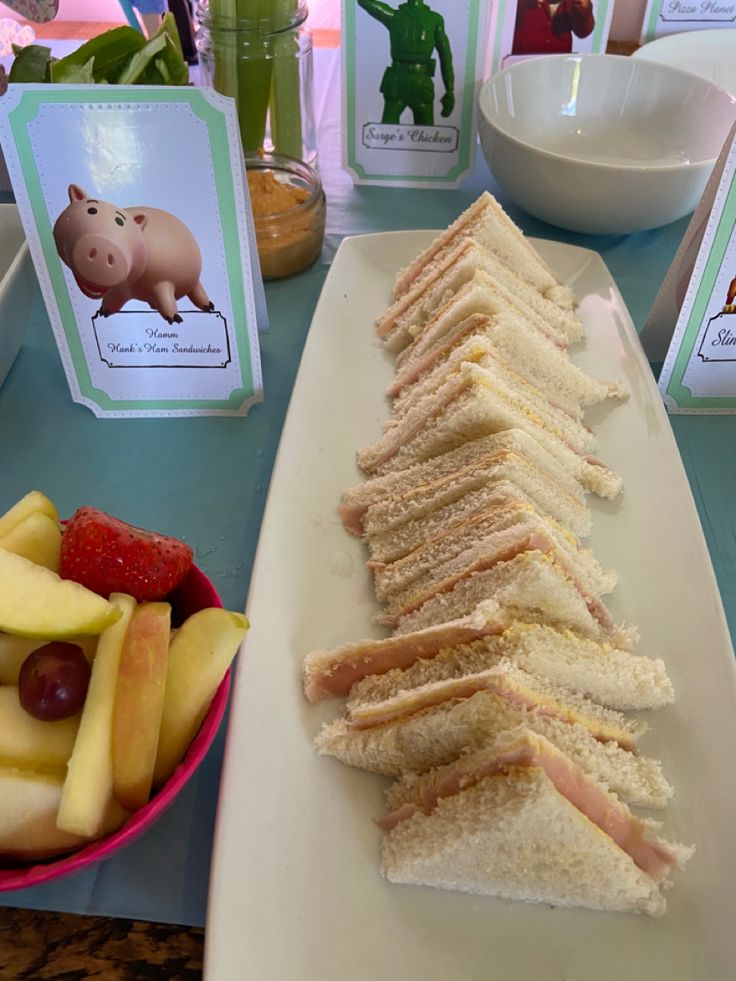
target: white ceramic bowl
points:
(603, 144)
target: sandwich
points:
(478, 400)
(519, 819)
(384, 503)
(531, 585)
(496, 534)
(435, 723)
(533, 358)
(380, 669)
(406, 319)
(487, 222)
(609, 675)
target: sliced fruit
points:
(37, 537)
(14, 650)
(28, 806)
(139, 699)
(30, 744)
(87, 793)
(35, 602)
(107, 555)
(200, 654)
(33, 501)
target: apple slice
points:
(200, 654)
(36, 602)
(88, 786)
(33, 501)
(139, 699)
(28, 806)
(30, 744)
(14, 650)
(38, 538)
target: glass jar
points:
(288, 211)
(265, 64)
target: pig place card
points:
(411, 75)
(699, 371)
(523, 29)
(672, 16)
(134, 205)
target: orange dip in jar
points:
(289, 213)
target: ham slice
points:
(333, 673)
(373, 714)
(603, 809)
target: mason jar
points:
(265, 64)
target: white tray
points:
(295, 893)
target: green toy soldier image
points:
(415, 32)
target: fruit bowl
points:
(196, 592)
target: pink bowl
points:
(195, 593)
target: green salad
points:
(121, 56)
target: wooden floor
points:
(59, 947)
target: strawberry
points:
(109, 556)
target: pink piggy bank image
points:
(121, 254)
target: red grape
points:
(53, 681)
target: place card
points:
(670, 16)
(524, 28)
(134, 206)
(698, 298)
(411, 76)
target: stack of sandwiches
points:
(501, 700)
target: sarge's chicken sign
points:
(122, 254)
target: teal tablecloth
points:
(206, 480)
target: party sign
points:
(134, 206)
(411, 75)
(670, 16)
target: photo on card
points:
(411, 75)
(134, 206)
(663, 17)
(699, 372)
(526, 28)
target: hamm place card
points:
(670, 16)
(699, 372)
(134, 206)
(411, 76)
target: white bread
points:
(494, 838)
(408, 317)
(438, 735)
(534, 359)
(593, 669)
(530, 586)
(333, 672)
(494, 532)
(524, 689)
(477, 362)
(474, 456)
(391, 532)
(472, 404)
(486, 221)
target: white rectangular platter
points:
(296, 893)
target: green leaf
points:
(74, 74)
(107, 50)
(141, 60)
(31, 64)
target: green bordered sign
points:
(671, 16)
(134, 205)
(699, 373)
(411, 75)
(523, 29)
